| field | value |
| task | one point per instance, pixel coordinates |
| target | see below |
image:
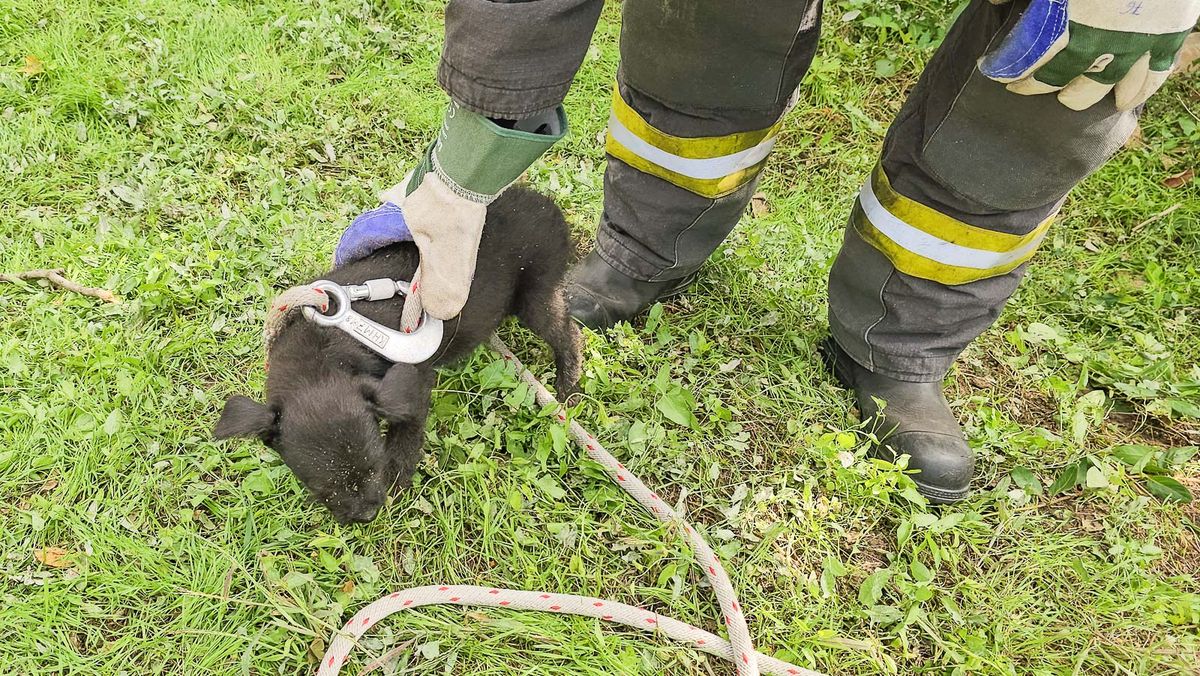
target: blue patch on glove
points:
(373, 230)
(1042, 24)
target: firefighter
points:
(1021, 102)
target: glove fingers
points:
(1083, 92)
(447, 229)
(1031, 86)
(1138, 84)
(446, 279)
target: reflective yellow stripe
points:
(711, 188)
(710, 166)
(944, 227)
(925, 243)
(702, 147)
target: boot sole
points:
(941, 496)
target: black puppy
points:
(327, 393)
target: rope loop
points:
(738, 650)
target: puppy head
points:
(328, 434)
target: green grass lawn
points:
(196, 156)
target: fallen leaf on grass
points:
(55, 557)
(759, 205)
(1135, 139)
(348, 588)
(33, 66)
(317, 648)
(1179, 180)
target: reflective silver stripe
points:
(924, 244)
(710, 168)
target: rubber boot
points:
(915, 421)
(599, 296)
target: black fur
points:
(327, 394)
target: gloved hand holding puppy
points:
(441, 204)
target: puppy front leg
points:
(402, 398)
(545, 313)
(404, 447)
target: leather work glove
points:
(1082, 49)
(442, 203)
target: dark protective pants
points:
(969, 179)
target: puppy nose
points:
(361, 514)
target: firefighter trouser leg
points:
(701, 88)
(970, 177)
(515, 59)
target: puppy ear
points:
(244, 417)
(403, 394)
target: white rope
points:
(739, 649)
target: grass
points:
(197, 156)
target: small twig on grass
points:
(1049, 503)
(1155, 217)
(55, 277)
(386, 657)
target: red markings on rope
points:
(555, 607)
(493, 591)
(408, 602)
(366, 621)
(455, 598)
(443, 589)
(396, 595)
(597, 604)
(505, 603)
(545, 596)
(651, 620)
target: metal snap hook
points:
(336, 293)
(393, 345)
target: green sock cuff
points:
(478, 158)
